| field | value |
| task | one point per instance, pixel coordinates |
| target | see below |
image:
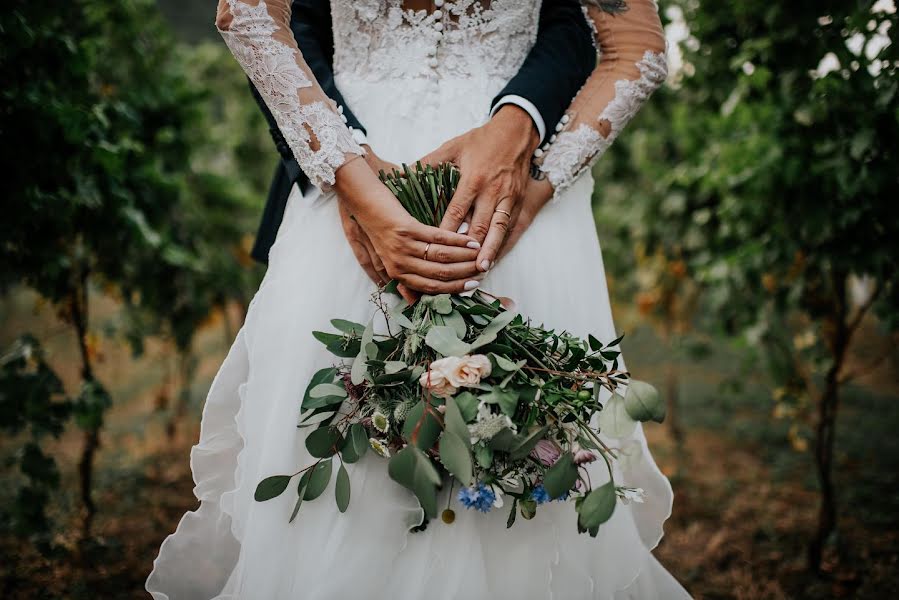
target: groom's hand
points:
(494, 160)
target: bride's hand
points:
(424, 259)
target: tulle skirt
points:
(235, 548)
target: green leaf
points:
(301, 491)
(489, 333)
(342, 489)
(484, 456)
(323, 442)
(359, 439)
(455, 320)
(324, 390)
(321, 376)
(423, 426)
(614, 421)
(271, 487)
(506, 399)
(512, 513)
(359, 368)
(443, 340)
(397, 316)
(597, 507)
(412, 469)
(504, 440)
(507, 365)
(442, 304)
(528, 508)
(367, 342)
(454, 422)
(348, 327)
(561, 476)
(456, 457)
(318, 479)
(595, 344)
(643, 402)
(468, 406)
(338, 345)
(394, 366)
(524, 444)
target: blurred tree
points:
(773, 176)
(102, 124)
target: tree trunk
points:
(828, 406)
(79, 315)
(186, 368)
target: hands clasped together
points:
(495, 202)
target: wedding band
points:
(428, 247)
(505, 212)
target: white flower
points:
(379, 446)
(629, 495)
(379, 421)
(498, 496)
(487, 424)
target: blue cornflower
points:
(479, 497)
(539, 494)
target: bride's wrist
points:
(363, 194)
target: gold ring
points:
(505, 212)
(428, 247)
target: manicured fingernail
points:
(471, 285)
(473, 245)
(485, 264)
(492, 264)
(463, 228)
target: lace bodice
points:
(378, 39)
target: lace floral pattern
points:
(380, 39)
(574, 151)
(299, 108)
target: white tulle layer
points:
(235, 548)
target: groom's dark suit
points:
(557, 66)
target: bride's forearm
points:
(364, 196)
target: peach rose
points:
(436, 379)
(466, 371)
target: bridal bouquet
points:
(462, 393)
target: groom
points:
(522, 114)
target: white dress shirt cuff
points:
(525, 105)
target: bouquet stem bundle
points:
(424, 192)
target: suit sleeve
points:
(632, 66)
(562, 58)
(259, 36)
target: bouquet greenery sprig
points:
(459, 391)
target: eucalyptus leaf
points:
(348, 327)
(422, 426)
(321, 376)
(359, 368)
(397, 316)
(394, 366)
(342, 489)
(442, 304)
(506, 399)
(301, 491)
(271, 487)
(323, 442)
(443, 340)
(489, 333)
(412, 469)
(454, 422)
(597, 507)
(455, 320)
(614, 420)
(323, 390)
(643, 402)
(561, 476)
(524, 444)
(468, 406)
(456, 457)
(319, 477)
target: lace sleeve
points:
(259, 36)
(632, 65)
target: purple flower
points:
(547, 452)
(583, 457)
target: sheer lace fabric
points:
(258, 34)
(632, 66)
(380, 39)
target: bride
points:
(232, 547)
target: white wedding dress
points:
(232, 547)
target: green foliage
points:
(33, 406)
